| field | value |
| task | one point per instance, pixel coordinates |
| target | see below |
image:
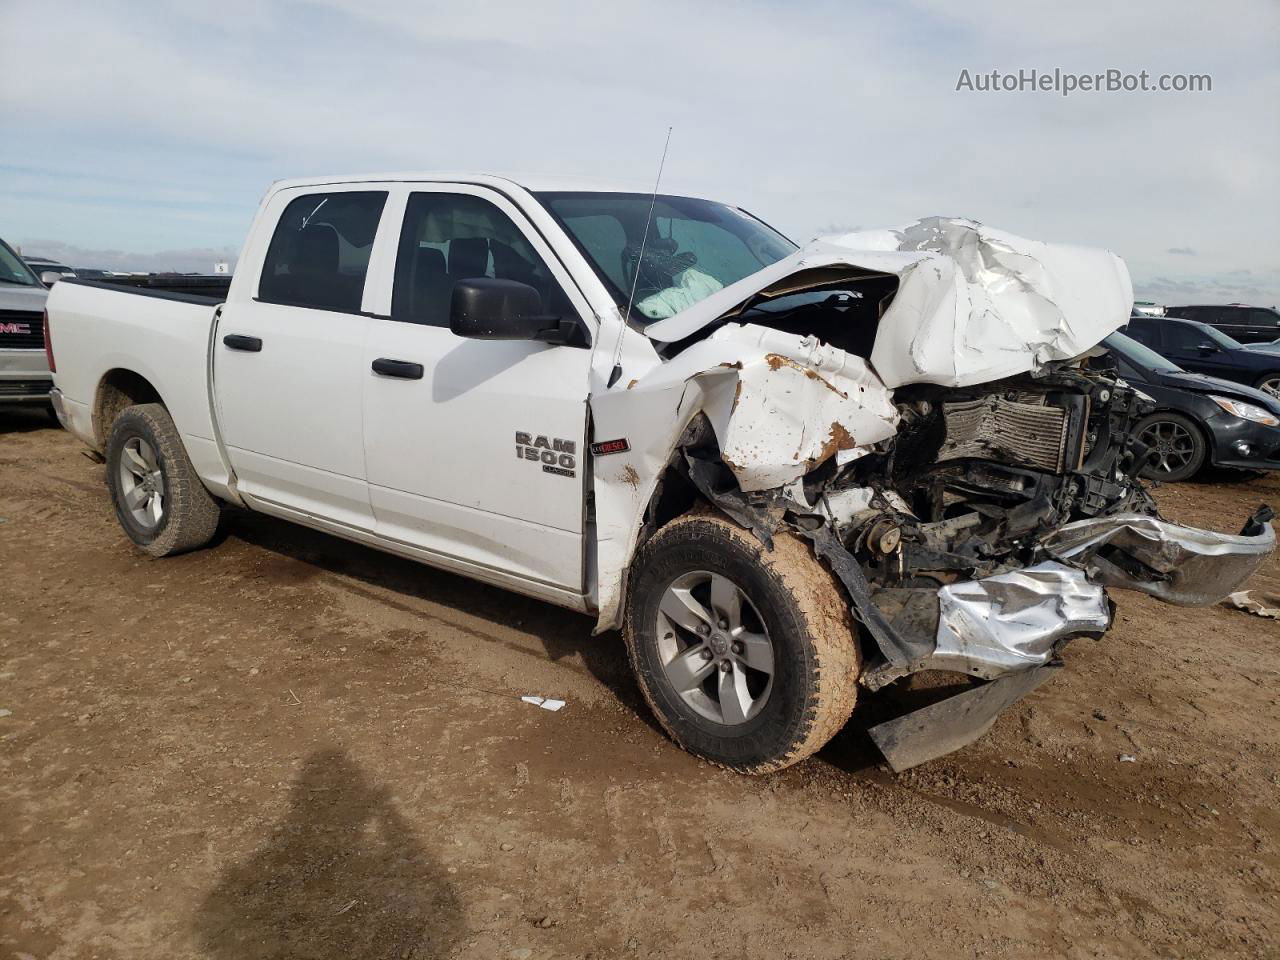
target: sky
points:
(142, 136)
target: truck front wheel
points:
(746, 656)
(159, 500)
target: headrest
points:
(468, 257)
(428, 262)
(318, 249)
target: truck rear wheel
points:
(159, 500)
(746, 656)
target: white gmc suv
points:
(787, 473)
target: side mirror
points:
(1207, 348)
(487, 309)
(50, 277)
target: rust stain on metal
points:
(632, 384)
(838, 438)
(629, 475)
(776, 362)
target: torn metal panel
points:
(796, 403)
(1015, 620)
(974, 304)
(950, 724)
(1182, 565)
(779, 405)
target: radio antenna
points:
(635, 277)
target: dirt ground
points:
(290, 746)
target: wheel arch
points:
(119, 388)
(1264, 377)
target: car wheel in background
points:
(747, 656)
(1177, 446)
(1270, 384)
(159, 500)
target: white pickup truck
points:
(786, 473)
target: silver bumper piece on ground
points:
(1182, 565)
(1013, 621)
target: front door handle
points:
(237, 341)
(398, 368)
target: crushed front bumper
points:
(1008, 629)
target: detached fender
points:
(780, 405)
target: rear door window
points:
(319, 254)
(1264, 318)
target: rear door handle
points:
(398, 368)
(238, 342)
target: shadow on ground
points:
(561, 632)
(852, 749)
(340, 877)
(26, 418)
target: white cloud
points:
(151, 131)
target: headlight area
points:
(1246, 411)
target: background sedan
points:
(1198, 419)
(1204, 349)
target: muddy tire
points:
(753, 681)
(158, 499)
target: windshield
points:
(1140, 356)
(694, 247)
(13, 270)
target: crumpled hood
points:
(974, 304)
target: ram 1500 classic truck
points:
(786, 473)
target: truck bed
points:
(165, 289)
(107, 337)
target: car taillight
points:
(48, 345)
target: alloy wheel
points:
(715, 649)
(1173, 444)
(1271, 386)
(142, 482)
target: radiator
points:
(1011, 431)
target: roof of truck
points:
(533, 182)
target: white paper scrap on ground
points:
(546, 703)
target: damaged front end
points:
(975, 524)
(981, 538)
